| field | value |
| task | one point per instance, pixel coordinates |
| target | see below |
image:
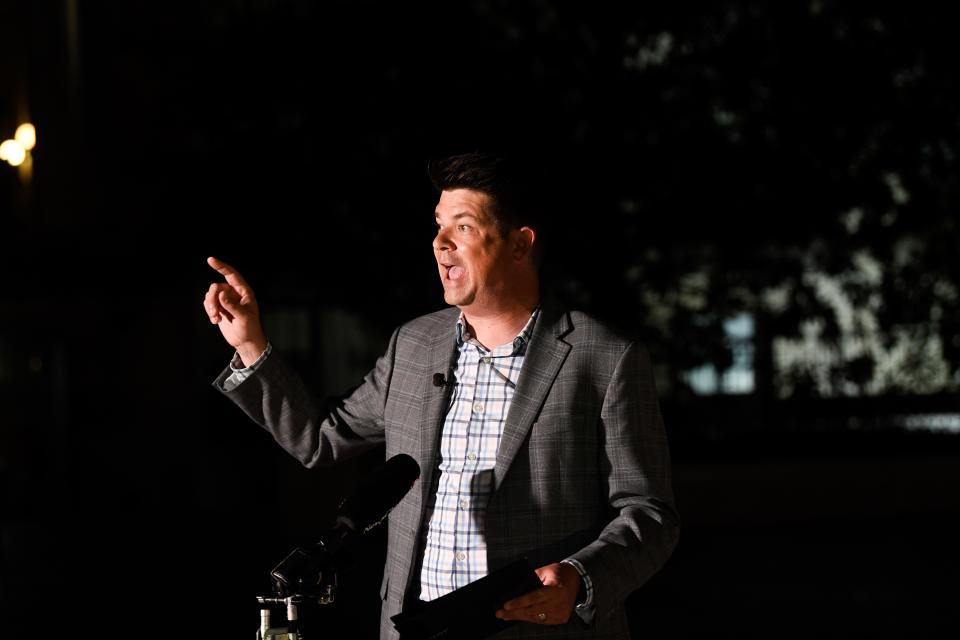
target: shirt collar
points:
(519, 342)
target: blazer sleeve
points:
(315, 432)
(635, 465)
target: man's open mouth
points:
(454, 271)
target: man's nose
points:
(442, 241)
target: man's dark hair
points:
(514, 186)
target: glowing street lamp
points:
(13, 152)
(26, 135)
(17, 151)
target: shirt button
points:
(464, 504)
(478, 407)
(471, 456)
(485, 360)
(461, 556)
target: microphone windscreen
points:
(376, 497)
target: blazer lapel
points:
(545, 355)
(439, 359)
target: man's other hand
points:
(550, 604)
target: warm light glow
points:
(26, 135)
(13, 152)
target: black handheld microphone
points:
(358, 514)
(374, 500)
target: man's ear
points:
(523, 242)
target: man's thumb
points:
(545, 575)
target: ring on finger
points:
(541, 617)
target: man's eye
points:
(463, 227)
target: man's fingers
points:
(229, 302)
(537, 596)
(211, 310)
(531, 613)
(231, 275)
(212, 306)
(211, 301)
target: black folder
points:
(468, 612)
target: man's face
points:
(475, 262)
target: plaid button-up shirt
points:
(455, 551)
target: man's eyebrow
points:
(456, 216)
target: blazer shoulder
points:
(426, 328)
(587, 328)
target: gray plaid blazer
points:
(583, 468)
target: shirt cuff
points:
(240, 372)
(587, 603)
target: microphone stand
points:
(309, 573)
(300, 578)
(292, 631)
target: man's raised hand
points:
(232, 306)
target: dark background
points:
(792, 163)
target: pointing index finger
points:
(231, 275)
